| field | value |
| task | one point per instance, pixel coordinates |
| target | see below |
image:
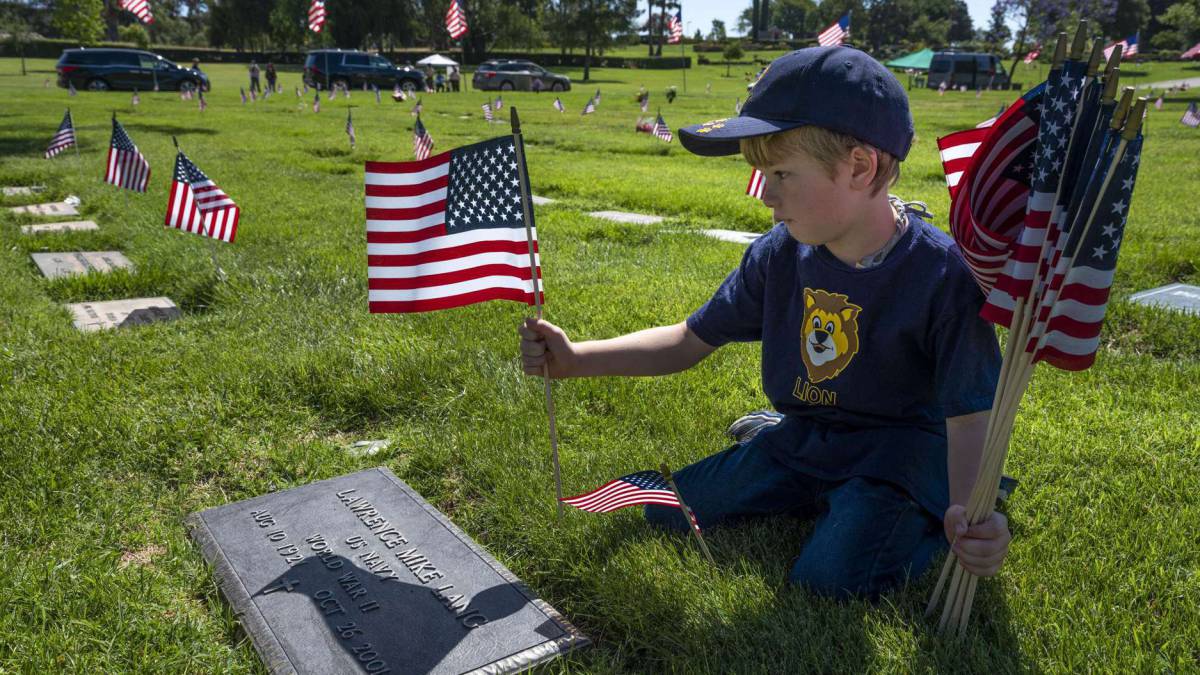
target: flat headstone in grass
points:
(66, 226)
(68, 263)
(91, 316)
(625, 217)
(542, 201)
(360, 574)
(732, 235)
(22, 190)
(1182, 297)
(47, 209)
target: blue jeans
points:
(869, 536)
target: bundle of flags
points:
(127, 166)
(449, 230)
(836, 34)
(63, 138)
(1039, 200)
(198, 206)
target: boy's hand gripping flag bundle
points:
(1039, 200)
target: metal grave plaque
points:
(47, 209)
(1182, 297)
(68, 263)
(22, 190)
(359, 574)
(120, 313)
(67, 226)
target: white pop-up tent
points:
(437, 61)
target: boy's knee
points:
(666, 517)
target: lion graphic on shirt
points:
(830, 333)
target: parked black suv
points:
(104, 69)
(517, 74)
(338, 68)
(974, 70)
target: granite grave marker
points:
(360, 574)
(68, 263)
(21, 190)
(121, 313)
(47, 209)
(1182, 297)
(66, 226)
(626, 217)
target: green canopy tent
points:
(916, 60)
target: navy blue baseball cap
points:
(838, 88)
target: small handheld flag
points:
(835, 34)
(456, 21)
(64, 137)
(416, 109)
(378, 99)
(316, 15)
(497, 104)
(243, 90)
(589, 108)
(422, 141)
(317, 102)
(643, 487)
(71, 88)
(675, 29)
(661, 129)
(136, 99)
(645, 101)
(197, 205)
(1191, 117)
(1129, 47)
(487, 112)
(350, 129)
(126, 166)
(558, 105)
(1031, 56)
(757, 182)
(448, 230)
(203, 103)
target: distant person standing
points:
(455, 77)
(254, 86)
(271, 75)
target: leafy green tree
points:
(717, 34)
(78, 19)
(998, 32)
(135, 33)
(1182, 23)
(732, 52)
(19, 33)
(793, 16)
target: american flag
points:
(558, 105)
(596, 98)
(316, 15)
(1158, 103)
(378, 98)
(987, 172)
(63, 138)
(456, 21)
(136, 99)
(835, 34)
(422, 141)
(675, 29)
(590, 107)
(398, 93)
(243, 90)
(1191, 53)
(416, 109)
(643, 487)
(203, 103)
(198, 206)
(448, 231)
(645, 102)
(497, 104)
(1129, 47)
(737, 106)
(1031, 56)
(140, 8)
(661, 129)
(127, 167)
(317, 102)
(71, 88)
(350, 129)
(487, 112)
(1054, 133)
(1191, 117)
(757, 182)
(1072, 331)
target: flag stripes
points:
(316, 15)
(757, 182)
(835, 34)
(644, 487)
(198, 206)
(140, 9)
(126, 166)
(456, 21)
(63, 138)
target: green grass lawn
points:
(109, 440)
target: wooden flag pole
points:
(536, 281)
(687, 511)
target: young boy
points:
(872, 348)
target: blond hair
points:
(827, 147)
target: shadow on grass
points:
(170, 129)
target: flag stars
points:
(1119, 207)
(1099, 252)
(1109, 230)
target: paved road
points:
(1167, 84)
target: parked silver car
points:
(515, 75)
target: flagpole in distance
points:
(687, 511)
(527, 211)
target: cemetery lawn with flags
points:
(111, 438)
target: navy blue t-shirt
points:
(865, 364)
